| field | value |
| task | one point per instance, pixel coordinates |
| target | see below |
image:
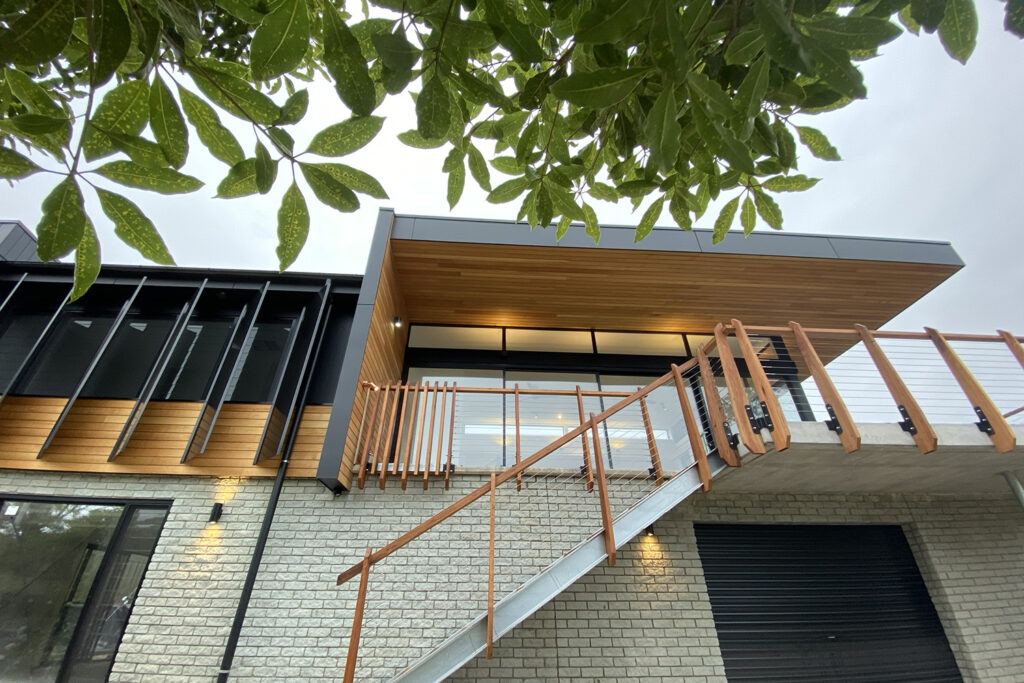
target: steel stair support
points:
(516, 607)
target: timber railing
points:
(745, 385)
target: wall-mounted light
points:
(397, 322)
(650, 530)
(215, 513)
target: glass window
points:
(552, 341)
(545, 417)
(67, 352)
(69, 573)
(437, 337)
(128, 359)
(640, 343)
(258, 362)
(324, 380)
(20, 333)
(194, 360)
(627, 435)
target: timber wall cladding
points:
(383, 357)
(87, 436)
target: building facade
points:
(625, 453)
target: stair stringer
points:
(513, 609)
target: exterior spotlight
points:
(650, 530)
(215, 513)
(397, 322)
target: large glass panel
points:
(552, 341)
(641, 343)
(49, 557)
(18, 336)
(479, 438)
(194, 361)
(260, 357)
(128, 359)
(106, 613)
(324, 380)
(627, 435)
(68, 350)
(439, 337)
(545, 417)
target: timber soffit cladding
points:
(144, 436)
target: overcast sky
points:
(935, 152)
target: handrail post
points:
(700, 456)
(914, 420)
(451, 437)
(716, 413)
(440, 429)
(652, 443)
(780, 428)
(361, 478)
(1015, 348)
(490, 578)
(991, 419)
(430, 439)
(587, 469)
(840, 421)
(737, 395)
(357, 619)
(519, 476)
(602, 488)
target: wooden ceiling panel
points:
(486, 284)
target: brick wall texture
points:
(646, 618)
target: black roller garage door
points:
(821, 603)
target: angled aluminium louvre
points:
(40, 340)
(111, 333)
(288, 383)
(156, 372)
(14, 290)
(229, 359)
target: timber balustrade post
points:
(840, 420)
(357, 619)
(451, 436)
(430, 439)
(401, 429)
(386, 457)
(991, 420)
(519, 476)
(602, 489)
(366, 444)
(490, 577)
(716, 413)
(700, 456)
(769, 401)
(440, 429)
(652, 443)
(587, 469)
(914, 420)
(1015, 348)
(737, 394)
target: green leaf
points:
(748, 216)
(240, 180)
(63, 221)
(852, 33)
(508, 166)
(666, 41)
(958, 29)
(564, 203)
(790, 183)
(246, 10)
(294, 108)
(662, 131)
(134, 228)
(266, 169)
(512, 34)
(346, 137)
(1014, 21)
(600, 88)
(680, 211)
(412, 138)
(545, 208)
(184, 17)
(292, 226)
(590, 223)
(433, 109)
(139, 149)
(346, 64)
(611, 20)
(478, 167)
(110, 36)
(33, 96)
(747, 44)
(34, 124)
(39, 35)
(709, 92)
(767, 208)
(282, 140)
(928, 13)
(833, 66)
(456, 182)
(235, 96)
(786, 143)
(395, 50)
(750, 94)
(87, 261)
(218, 139)
(15, 166)
(603, 192)
(508, 190)
(724, 221)
(162, 180)
(563, 227)
(650, 216)
(328, 189)
(167, 123)
(783, 42)
(819, 145)
(281, 41)
(356, 180)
